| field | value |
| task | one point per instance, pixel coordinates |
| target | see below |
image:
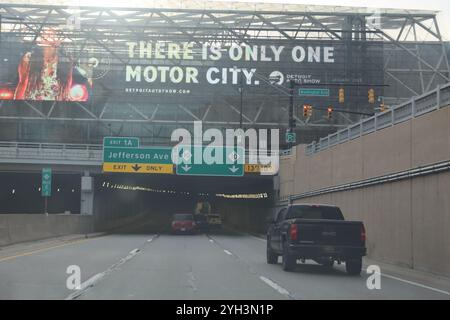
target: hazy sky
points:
(438, 5)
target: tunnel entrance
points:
(242, 202)
(20, 192)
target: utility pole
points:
(291, 105)
(291, 109)
(241, 89)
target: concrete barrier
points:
(16, 228)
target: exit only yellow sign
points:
(138, 168)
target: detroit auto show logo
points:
(276, 77)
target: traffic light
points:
(341, 95)
(307, 111)
(329, 112)
(371, 96)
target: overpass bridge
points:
(65, 157)
(81, 186)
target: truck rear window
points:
(315, 212)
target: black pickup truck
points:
(317, 232)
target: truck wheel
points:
(354, 266)
(272, 257)
(289, 261)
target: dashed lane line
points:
(276, 286)
(92, 281)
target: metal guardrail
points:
(417, 106)
(51, 151)
(286, 152)
(67, 152)
(401, 175)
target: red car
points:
(183, 223)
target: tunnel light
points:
(243, 196)
(58, 190)
(13, 191)
(39, 189)
(73, 190)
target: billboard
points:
(173, 72)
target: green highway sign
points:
(291, 137)
(125, 142)
(137, 155)
(210, 161)
(46, 184)
(313, 92)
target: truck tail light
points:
(293, 232)
(363, 234)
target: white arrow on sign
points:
(233, 169)
(186, 168)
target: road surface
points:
(144, 265)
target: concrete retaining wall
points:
(407, 222)
(16, 228)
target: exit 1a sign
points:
(124, 142)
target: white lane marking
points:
(150, 240)
(275, 286)
(416, 284)
(99, 276)
(211, 240)
(227, 252)
(88, 283)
